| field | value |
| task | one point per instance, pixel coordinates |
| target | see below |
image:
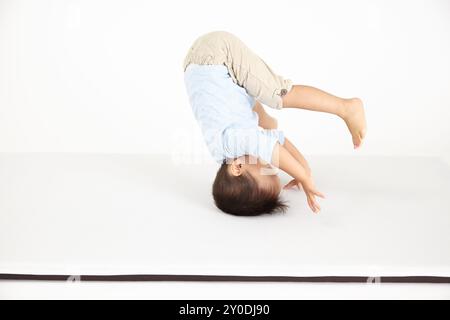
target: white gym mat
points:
(149, 218)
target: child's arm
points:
(289, 159)
(284, 160)
(265, 120)
(297, 155)
(268, 122)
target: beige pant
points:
(244, 66)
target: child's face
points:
(264, 173)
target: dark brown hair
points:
(242, 196)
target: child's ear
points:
(236, 168)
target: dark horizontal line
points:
(229, 278)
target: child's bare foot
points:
(355, 119)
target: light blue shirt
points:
(225, 114)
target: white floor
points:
(216, 290)
(140, 214)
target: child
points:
(227, 83)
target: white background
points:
(106, 76)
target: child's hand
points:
(285, 161)
(293, 183)
(310, 192)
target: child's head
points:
(247, 187)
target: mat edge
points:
(223, 278)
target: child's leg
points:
(245, 67)
(251, 72)
(350, 110)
